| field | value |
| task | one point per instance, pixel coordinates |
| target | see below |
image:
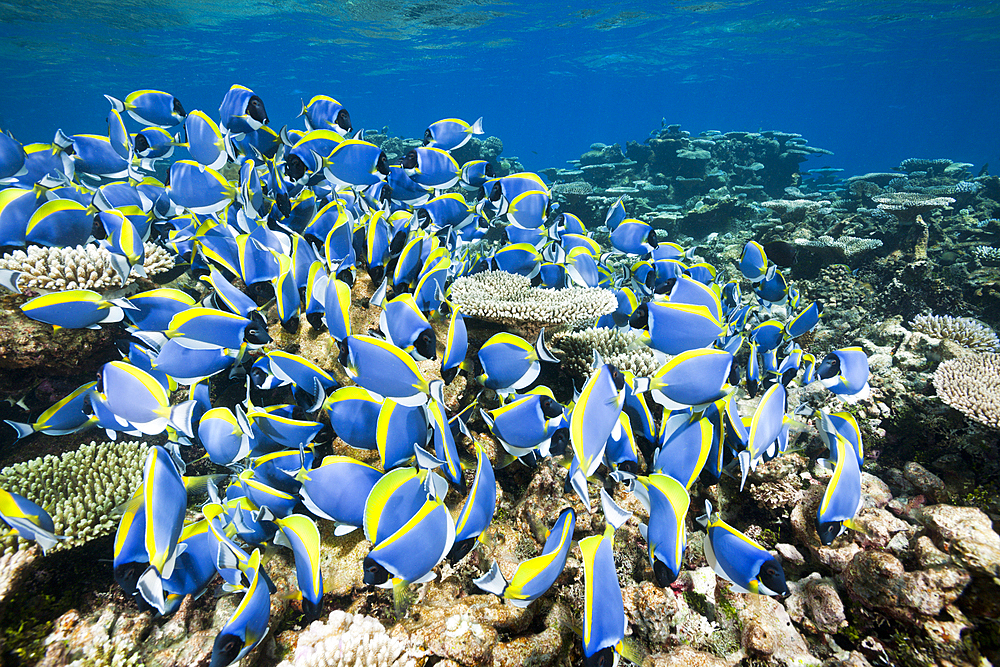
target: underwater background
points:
(855, 142)
(874, 82)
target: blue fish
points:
(536, 575)
(634, 237)
(355, 163)
(300, 534)
(768, 427)
(384, 369)
(845, 373)
(615, 215)
(691, 379)
(842, 424)
(198, 188)
(354, 413)
(65, 416)
(753, 262)
(224, 435)
(75, 309)
(205, 142)
(241, 111)
(509, 362)
(593, 420)
(28, 520)
(409, 554)
(151, 107)
(195, 567)
(740, 560)
(455, 347)
(842, 499)
(677, 327)
(805, 321)
(94, 156)
(136, 397)
(406, 327)
(59, 222)
(337, 491)
(17, 207)
(478, 509)
(527, 210)
(400, 428)
(189, 366)
(211, 328)
(248, 624)
(325, 113)
(431, 168)
(685, 444)
(451, 133)
(604, 621)
(528, 422)
(164, 500)
(337, 302)
(12, 157)
(666, 500)
(475, 173)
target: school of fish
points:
(309, 209)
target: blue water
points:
(873, 82)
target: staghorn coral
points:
(509, 299)
(82, 267)
(617, 347)
(908, 205)
(348, 640)
(850, 245)
(79, 489)
(971, 385)
(965, 331)
(987, 253)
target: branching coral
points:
(965, 331)
(78, 489)
(348, 640)
(82, 267)
(972, 386)
(509, 299)
(620, 348)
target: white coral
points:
(348, 640)
(508, 298)
(80, 267)
(965, 331)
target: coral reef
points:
(972, 386)
(80, 267)
(510, 300)
(965, 331)
(622, 348)
(348, 640)
(78, 489)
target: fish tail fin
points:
(23, 430)
(116, 103)
(477, 127)
(544, 354)
(402, 597)
(493, 581)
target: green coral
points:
(78, 489)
